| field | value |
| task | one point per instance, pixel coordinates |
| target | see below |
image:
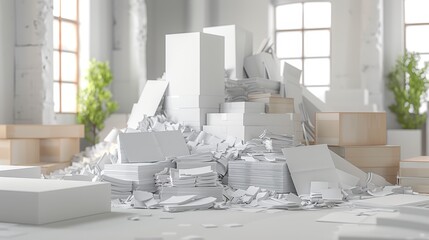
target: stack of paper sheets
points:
(194, 177)
(273, 176)
(216, 192)
(414, 172)
(201, 182)
(238, 90)
(120, 188)
(142, 175)
(196, 160)
(187, 203)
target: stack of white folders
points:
(273, 176)
(141, 174)
(120, 188)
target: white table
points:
(115, 225)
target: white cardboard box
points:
(242, 107)
(249, 132)
(193, 101)
(238, 46)
(254, 119)
(194, 64)
(40, 201)
(182, 115)
(20, 171)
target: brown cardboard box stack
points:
(360, 138)
(49, 146)
(414, 172)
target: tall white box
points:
(40, 201)
(238, 46)
(194, 64)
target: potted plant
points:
(95, 102)
(409, 85)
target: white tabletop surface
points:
(116, 225)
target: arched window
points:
(303, 39)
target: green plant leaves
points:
(95, 102)
(409, 85)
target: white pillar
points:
(33, 62)
(7, 56)
(371, 51)
(129, 52)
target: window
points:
(417, 27)
(303, 39)
(66, 55)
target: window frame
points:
(302, 30)
(411, 25)
(60, 51)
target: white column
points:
(129, 52)
(371, 52)
(7, 56)
(33, 62)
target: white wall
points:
(252, 15)
(101, 30)
(163, 17)
(7, 59)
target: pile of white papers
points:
(194, 177)
(201, 182)
(273, 176)
(187, 203)
(201, 192)
(120, 188)
(237, 90)
(142, 175)
(276, 142)
(196, 160)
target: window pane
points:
(68, 36)
(417, 38)
(69, 96)
(56, 65)
(317, 15)
(317, 43)
(56, 34)
(289, 44)
(423, 58)
(56, 97)
(294, 62)
(69, 9)
(416, 11)
(289, 16)
(56, 4)
(319, 92)
(68, 67)
(317, 72)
